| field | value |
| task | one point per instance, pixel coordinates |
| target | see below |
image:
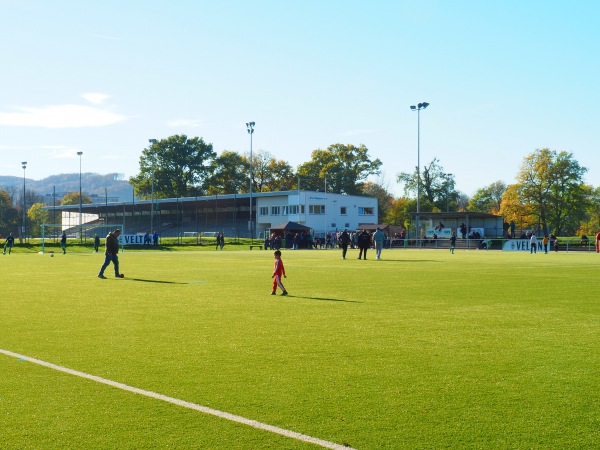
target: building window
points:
(316, 209)
(274, 210)
(343, 211)
(264, 211)
(365, 211)
(284, 210)
(293, 209)
(347, 225)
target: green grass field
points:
(423, 349)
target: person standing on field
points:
(8, 244)
(545, 243)
(278, 272)
(344, 241)
(453, 242)
(364, 242)
(378, 239)
(598, 242)
(63, 243)
(110, 254)
(96, 242)
(533, 243)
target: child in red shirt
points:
(278, 271)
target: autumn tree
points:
(550, 184)
(342, 168)
(488, 199)
(72, 198)
(462, 201)
(36, 216)
(229, 174)
(175, 166)
(9, 215)
(399, 211)
(270, 174)
(512, 209)
(591, 223)
(437, 187)
(384, 198)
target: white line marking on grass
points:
(183, 403)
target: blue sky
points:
(502, 79)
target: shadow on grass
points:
(142, 280)
(324, 299)
(405, 260)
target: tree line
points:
(549, 194)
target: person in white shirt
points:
(532, 243)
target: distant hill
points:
(92, 184)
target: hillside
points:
(92, 184)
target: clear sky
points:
(502, 78)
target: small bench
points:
(257, 246)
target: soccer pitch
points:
(422, 349)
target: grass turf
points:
(423, 349)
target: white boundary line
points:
(178, 402)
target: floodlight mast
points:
(418, 108)
(80, 201)
(23, 231)
(152, 142)
(250, 128)
(448, 177)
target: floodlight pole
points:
(418, 108)
(448, 175)
(80, 216)
(152, 142)
(325, 212)
(24, 165)
(250, 127)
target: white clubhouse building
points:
(321, 211)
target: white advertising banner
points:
(131, 239)
(444, 233)
(518, 245)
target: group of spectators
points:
(546, 242)
(290, 240)
(305, 240)
(151, 239)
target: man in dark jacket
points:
(364, 242)
(112, 249)
(344, 241)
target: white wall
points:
(71, 219)
(331, 220)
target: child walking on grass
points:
(278, 271)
